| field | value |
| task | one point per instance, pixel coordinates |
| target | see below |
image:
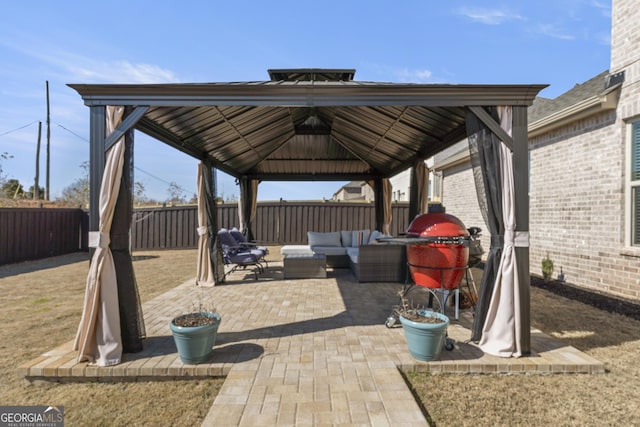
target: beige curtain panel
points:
(387, 190)
(253, 204)
(422, 177)
(501, 333)
(204, 269)
(98, 339)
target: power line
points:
(159, 179)
(135, 167)
(73, 133)
(17, 129)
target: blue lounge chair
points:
(237, 256)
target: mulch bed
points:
(595, 299)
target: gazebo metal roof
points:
(307, 124)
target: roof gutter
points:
(456, 159)
(607, 100)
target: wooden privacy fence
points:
(276, 223)
(33, 233)
(27, 233)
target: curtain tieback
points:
(98, 239)
(202, 231)
(517, 239)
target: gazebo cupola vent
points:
(312, 74)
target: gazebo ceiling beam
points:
(313, 177)
(349, 149)
(168, 138)
(389, 128)
(486, 118)
(369, 149)
(237, 132)
(276, 146)
(127, 124)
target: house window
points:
(435, 187)
(633, 189)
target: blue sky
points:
(555, 42)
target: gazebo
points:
(307, 124)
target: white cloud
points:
(71, 66)
(554, 32)
(120, 72)
(488, 16)
(605, 7)
(406, 75)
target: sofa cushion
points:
(329, 250)
(352, 253)
(359, 237)
(323, 239)
(346, 238)
(374, 235)
(296, 250)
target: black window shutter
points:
(635, 151)
(635, 191)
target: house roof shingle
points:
(543, 107)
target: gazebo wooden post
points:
(521, 187)
(211, 207)
(378, 201)
(131, 322)
(96, 163)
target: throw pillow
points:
(374, 235)
(323, 239)
(359, 237)
(346, 238)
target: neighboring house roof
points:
(350, 187)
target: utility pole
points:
(48, 185)
(36, 187)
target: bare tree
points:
(3, 177)
(176, 194)
(139, 194)
(78, 192)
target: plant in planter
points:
(195, 334)
(547, 268)
(425, 331)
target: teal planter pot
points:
(425, 340)
(195, 343)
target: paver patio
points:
(304, 352)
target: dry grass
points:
(41, 306)
(612, 399)
(40, 309)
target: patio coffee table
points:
(305, 266)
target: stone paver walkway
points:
(305, 352)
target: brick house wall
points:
(577, 182)
(459, 199)
(576, 202)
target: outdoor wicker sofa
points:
(359, 250)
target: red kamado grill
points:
(440, 261)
